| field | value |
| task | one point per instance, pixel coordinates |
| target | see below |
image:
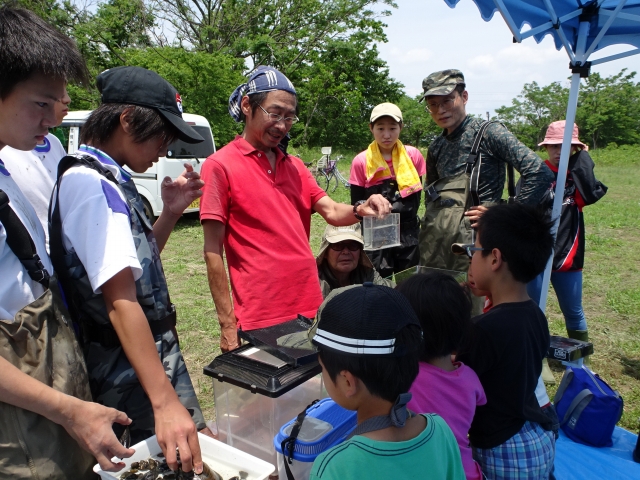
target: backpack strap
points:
(21, 243)
(564, 384)
(511, 183)
(577, 406)
(474, 164)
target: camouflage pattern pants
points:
(115, 384)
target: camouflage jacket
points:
(448, 154)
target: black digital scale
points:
(568, 349)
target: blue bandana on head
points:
(263, 79)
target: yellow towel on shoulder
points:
(406, 174)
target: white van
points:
(148, 183)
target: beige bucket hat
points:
(339, 234)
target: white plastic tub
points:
(222, 458)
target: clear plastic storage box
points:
(253, 400)
(382, 232)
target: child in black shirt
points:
(506, 345)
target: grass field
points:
(611, 283)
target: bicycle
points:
(327, 171)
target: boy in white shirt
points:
(42, 61)
(36, 171)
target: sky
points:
(425, 36)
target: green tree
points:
(326, 47)
(103, 36)
(337, 92)
(282, 33)
(609, 109)
(204, 81)
(419, 128)
(56, 13)
(532, 111)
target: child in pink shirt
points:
(450, 389)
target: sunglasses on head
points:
(352, 245)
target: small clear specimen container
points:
(382, 232)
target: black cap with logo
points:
(139, 86)
(364, 320)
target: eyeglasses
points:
(433, 107)
(275, 118)
(352, 245)
(470, 250)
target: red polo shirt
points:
(267, 215)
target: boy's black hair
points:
(522, 233)
(443, 308)
(30, 45)
(384, 376)
(146, 123)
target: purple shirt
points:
(454, 396)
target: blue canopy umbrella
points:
(581, 28)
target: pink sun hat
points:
(555, 132)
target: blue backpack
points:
(587, 407)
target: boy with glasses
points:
(256, 208)
(511, 436)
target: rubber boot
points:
(547, 374)
(580, 335)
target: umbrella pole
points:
(570, 118)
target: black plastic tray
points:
(267, 339)
(258, 377)
(568, 349)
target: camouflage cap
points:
(442, 83)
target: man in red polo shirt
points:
(256, 207)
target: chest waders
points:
(397, 259)
(40, 342)
(112, 378)
(444, 222)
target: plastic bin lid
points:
(267, 339)
(312, 429)
(341, 421)
(258, 377)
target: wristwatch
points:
(355, 208)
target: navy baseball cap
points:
(364, 320)
(139, 86)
